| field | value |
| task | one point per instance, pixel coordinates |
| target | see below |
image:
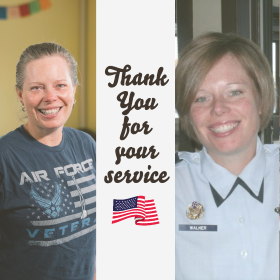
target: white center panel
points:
(139, 34)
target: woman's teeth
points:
(224, 128)
(50, 112)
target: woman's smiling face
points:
(47, 93)
(225, 112)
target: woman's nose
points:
(50, 95)
(219, 107)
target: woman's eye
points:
(200, 99)
(235, 92)
(60, 85)
(35, 88)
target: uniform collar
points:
(222, 180)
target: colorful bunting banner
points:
(34, 7)
(3, 12)
(45, 4)
(24, 10)
(13, 12)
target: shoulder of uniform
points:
(182, 158)
(271, 150)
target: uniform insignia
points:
(195, 211)
(277, 210)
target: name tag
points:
(198, 228)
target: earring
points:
(74, 102)
(22, 107)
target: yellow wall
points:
(58, 24)
(91, 65)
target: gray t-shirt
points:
(47, 207)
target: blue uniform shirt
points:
(237, 239)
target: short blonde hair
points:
(41, 50)
(200, 56)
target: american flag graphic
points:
(143, 211)
(56, 203)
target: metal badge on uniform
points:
(195, 211)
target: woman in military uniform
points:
(226, 194)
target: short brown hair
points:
(200, 56)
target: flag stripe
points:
(142, 213)
(81, 180)
(127, 211)
(84, 190)
(149, 224)
(123, 218)
(118, 214)
(61, 220)
(129, 216)
(87, 201)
